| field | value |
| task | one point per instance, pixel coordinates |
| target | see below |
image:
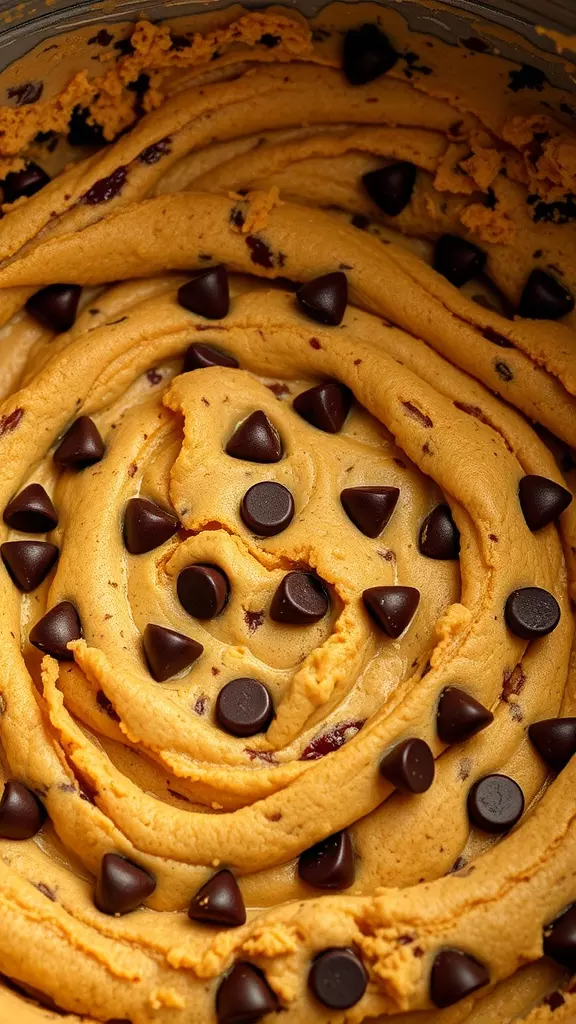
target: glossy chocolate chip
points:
(81, 446)
(409, 766)
(55, 306)
(532, 612)
(495, 803)
(325, 298)
(560, 939)
(267, 508)
(219, 902)
(369, 508)
(55, 630)
(21, 813)
(203, 590)
(555, 741)
(300, 599)
(391, 608)
(28, 562)
(542, 500)
(439, 536)
(244, 996)
(31, 511)
(207, 294)
(122, 886)
(147, 526)
(391, 187)
(455, 975)
(338, 979)
(325, 406)
(545, 298)
(458, 260)
(328, 864)
(255, 440)
(24, 183)
(460, 716)
(200, 357)
(244, 707)
(367, 54)
(168, 652)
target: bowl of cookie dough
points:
(288, 529)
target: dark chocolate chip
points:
(455, 975)
(255, 440)
(21, 813)
(495, 803)
(458, 260)
(439, 535)
(168, 652)
(122, 886)
(203, 590)
(560, 939)
(544, 298)
(105, 189)
(300, 599)
(244, 707)
(332, 739)
(325, 406)
(56, 629)
(24, 183)
(368, 53)
(325, 298)
(55, 306)
(267, 508)
(198, 357)
(207, 294)
(25, 94)
(391, 187)
(532, 612)
(31, 511)
(28, 562)
(244, 996)
(328, 864)
(81, 446)
(555, 741)
(460, 716)
(369, 508)
(82, 131)
(219, 902)
(147, 526)
(409, 766)
(542, 500)
(391, 608)
(338, 979)
(527, 77)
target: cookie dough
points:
(288, 364)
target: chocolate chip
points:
(555, 741)
(203, 590)
(300, 599)
(55, 306)
(81, 446)
(332, 739)
(391, 608)
(439, 535)
(542, 500)
(27, 182)
(154, 153)
(325, 406)
(82, 131)
(544, 298)
(460, 716)
(369, 508)
(31, 511)
(458, 260)
(198, 357)
(147, 526)
(244, 707)
(244, 996)
(28, 562)
(527, 77)
(338, 979)
(207, 294)
(325, 298)
(560, 939)
(105, 189)
(168, 652)
(504, 371)
(532, 612)
(409, 766)
(29, 92)
(55, 630)
(368, 53)
(329, 864)
(122, 886)
(219, 902)
(267, 508)
(391, 187)
(455, 975)
(21, 813)
(495, 803)
(255, 440)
